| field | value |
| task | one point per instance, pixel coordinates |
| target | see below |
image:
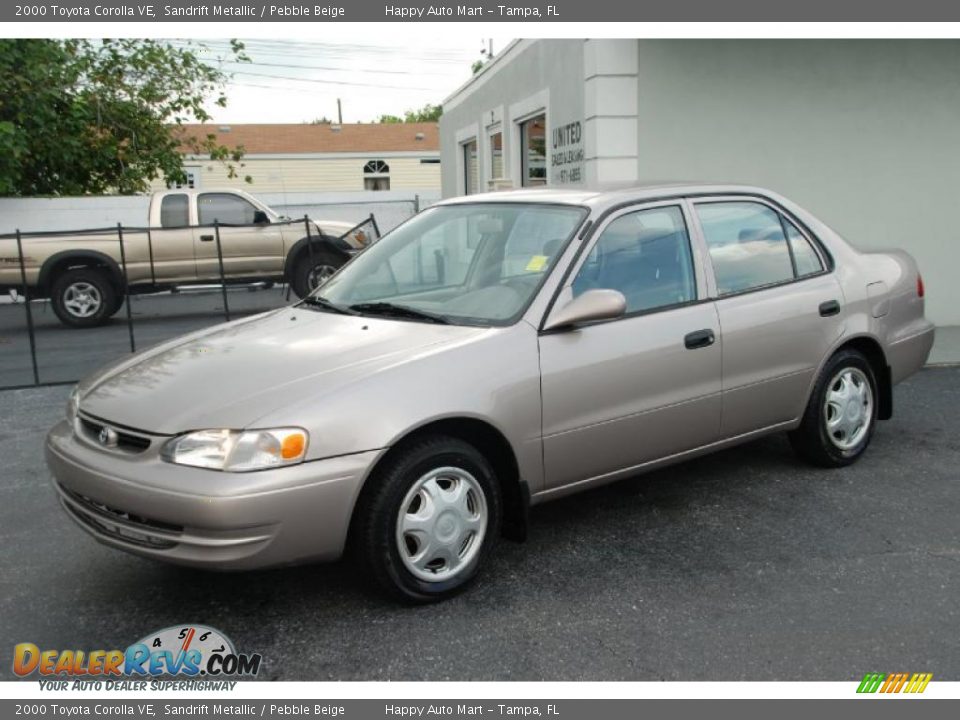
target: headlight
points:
(238, 450)
(73, 405)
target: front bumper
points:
(204, 518)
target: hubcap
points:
(848, 408)
(319, 275)
(82, 300)
(441, 524)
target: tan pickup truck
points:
(82, 274)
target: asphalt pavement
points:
(743, 565)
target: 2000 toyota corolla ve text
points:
(491, 353)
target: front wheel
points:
(310, 273)
(428, 519)
(842, 413)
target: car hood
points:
(233, 374)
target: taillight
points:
(920, 290)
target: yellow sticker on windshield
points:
(537, 263)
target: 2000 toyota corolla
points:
(491, 353)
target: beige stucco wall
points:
(305, 174)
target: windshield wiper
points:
(401, 311)
(321, 302)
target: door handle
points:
(206, 238)
(698, 339)
(828, 308)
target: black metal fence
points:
(36, 349)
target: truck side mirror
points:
(260, 218)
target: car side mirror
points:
(590, 306)
(260, 218)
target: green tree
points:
(84, 116)
(428, 113)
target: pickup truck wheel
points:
(841, 415)
(308, 276)
(117, 304)
(83, 297)
(427, 519)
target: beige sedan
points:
(490, 354)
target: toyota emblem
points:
(108, 437)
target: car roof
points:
(605, 195)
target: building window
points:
(376, 175)
(533, 151)
(471, 172)
(193, 179)
(496, 155)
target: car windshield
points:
(477, 263)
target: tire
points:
(83, 297)
(325, 263)
(841, 416)
(412, 544)
(117, 304)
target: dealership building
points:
(865, 134)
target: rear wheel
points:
(842, 413)
(83, 297)
(428, 519)
(311, 272)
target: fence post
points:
(126, 288)
(26, 305)
(223, 278)
(153, 272)
(306, 222)
(416, 203)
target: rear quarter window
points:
(174, 211)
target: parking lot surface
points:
(743, 565)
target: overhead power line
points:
(331, 68)
(326, 82)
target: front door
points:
(780, 310)
(621, 393)
(254, 251)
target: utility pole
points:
(339, 113)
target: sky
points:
(298, 80)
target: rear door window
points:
(747, 247)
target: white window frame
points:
(468, 134)
(521, 111)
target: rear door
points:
(780, 309)
(621, 393)
(248, 250)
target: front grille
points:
(126, 441)
(125, 526)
